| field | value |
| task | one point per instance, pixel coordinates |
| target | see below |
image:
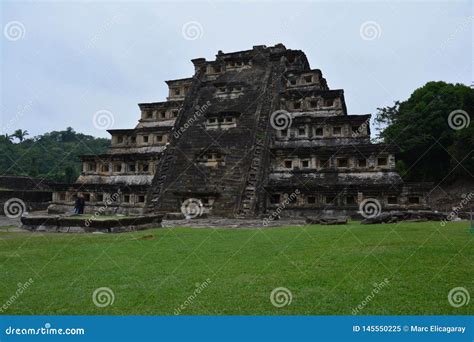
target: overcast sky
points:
(62, 62)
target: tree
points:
(70, 174)
(68, 135)
(434, 130)
(20, 134)
(53, 155)
(6, 138)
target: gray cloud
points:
(77, 58)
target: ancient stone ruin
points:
(251, 133)
(19, 194)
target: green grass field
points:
(328, 269)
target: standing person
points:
(77, 204)
(82, 204)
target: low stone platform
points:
(220, 222)
(327, 220)
(413, 216)
(89, 224)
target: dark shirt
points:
(79, 203)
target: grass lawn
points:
(328, 269)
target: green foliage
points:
(70, 174)
(6, 138)
(20, 134)
(430, 149)
(401, 167)
(53, 155)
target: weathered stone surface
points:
(242, 134)
(221, 222)
(327, 220)
(32, 199)
(173, 216)
(35, 193)
(414, 216)
(75, 225)
(38, 220)
(24, 183)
